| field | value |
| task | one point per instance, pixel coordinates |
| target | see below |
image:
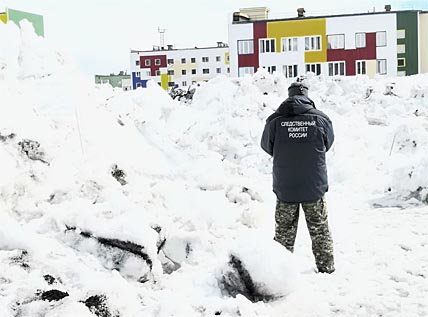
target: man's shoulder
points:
(318, 113)
(272, 117)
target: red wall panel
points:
(248, 60)
(350, 56)
(153, 67)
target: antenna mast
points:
(162, 36)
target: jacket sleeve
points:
(268, 137)
(328, 134)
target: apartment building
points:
(393, 43)
(171, 67)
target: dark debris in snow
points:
(4, 138)
(118, 174)
(97, 304)
(49, 279)
(21, 259)
(53, 295)
(238, 281)
(32, 150)
(128, 246)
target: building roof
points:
(225, 45)
(124, 74)
(327, 16)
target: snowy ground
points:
(130, 204)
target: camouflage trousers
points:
(287, 217)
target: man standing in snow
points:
(297, 136)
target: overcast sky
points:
(100, 33)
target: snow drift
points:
(129, 203)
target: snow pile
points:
(130, 203)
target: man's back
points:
(297, 136)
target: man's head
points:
(297, 88)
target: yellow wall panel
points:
(226, 58)
(3, 17)
(301, 28)
(164, 81)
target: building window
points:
(336, 68)
(205, 71)
(137, 63)
(193, 60)
(336, 41)
(401, 34)
(271, 69)
(290, 71)
(138, 85)
(148, 73)
(313, 43)
(170, 61)
(193, 82)
(267, 46)
(157, 62)
(205, 59)
(193, 71)
(158, 73)
(227, 58)
(360, 67)
(171, 72)
(401, 62)
(147, 62)
(401, 49)
(184, 83)
(245, 47)
(228, 70)
(171, 84)
(183, 72)
(183, 61)
(218, 70)
(138, 74)
(289, 44)
(245, 70)
(218, 58)
(360, 40)
(381, 66)
(381, 38)
(314, 68)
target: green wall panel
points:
(409, 21)
(36, 19)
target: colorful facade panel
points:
(351, 56)
(154, 63)
(252, 60)
(407, 25)
(138, 82)
(227, 58)
(3, 17)
(301, 28)
(36, 20)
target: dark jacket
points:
(298, 135)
